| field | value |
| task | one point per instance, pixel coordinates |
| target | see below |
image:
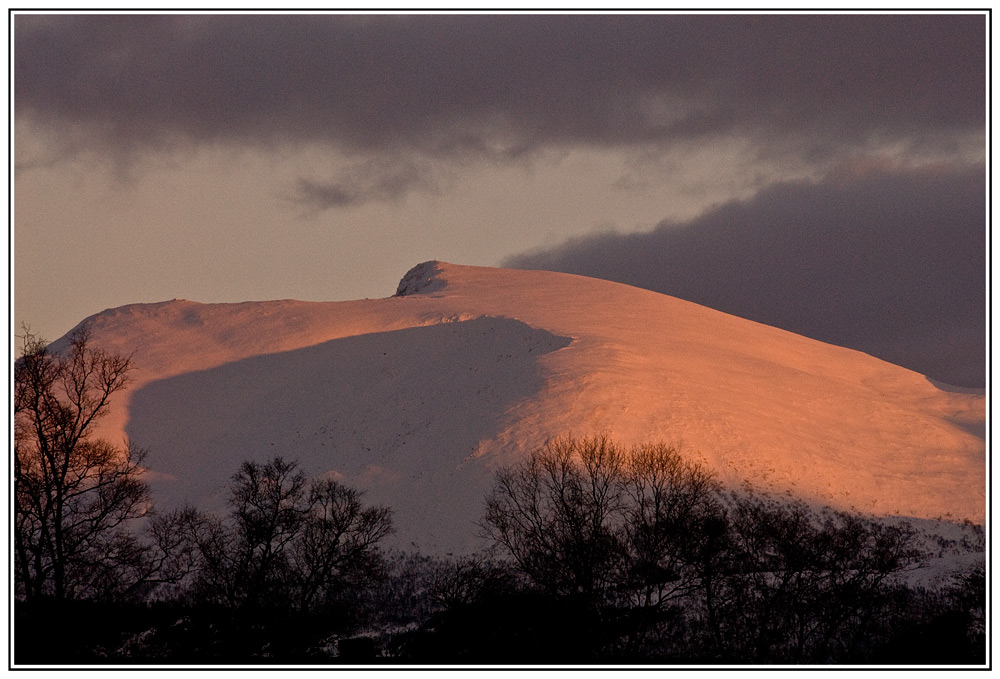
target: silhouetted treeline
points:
(639, 556)
(599, 554)
(602, 556)
(290, 564)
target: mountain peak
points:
(418, 399)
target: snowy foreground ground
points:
(419, 397)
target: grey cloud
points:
(500, 85)
(369, 182)
(890, 262)
(324, 196)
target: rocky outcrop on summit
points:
(421, 279)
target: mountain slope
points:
(418, 397)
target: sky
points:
(824, 173)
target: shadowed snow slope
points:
(417, 398)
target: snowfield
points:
(419, 397)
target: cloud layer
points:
(888, 262)
(887, 259)
(502, 86)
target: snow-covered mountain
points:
(418, 397)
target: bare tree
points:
(668, 501)
(74, 495)
(558, 515)
(286, 543)
(337, 544)
(615, 532)
(243, 561)
(589, 516)
(792, 584)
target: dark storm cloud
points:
(888, 262)
(500, 85)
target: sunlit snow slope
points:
(416, 398)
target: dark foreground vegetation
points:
(600, 555)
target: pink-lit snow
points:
(417, 398)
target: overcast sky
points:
(820, 173)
